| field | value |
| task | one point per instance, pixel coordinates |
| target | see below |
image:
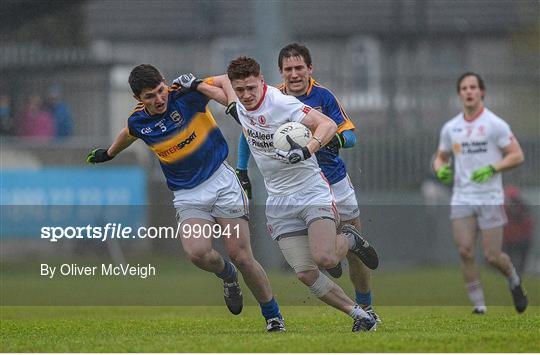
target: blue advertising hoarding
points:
(30, 199)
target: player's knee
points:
(198, 255)
(308, 277)
(241, 258)
(466, 253)
(491, 257)
(325, 260)
(321, 286)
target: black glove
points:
(296, 154)
(231, 110)
(244, 181)
(99, 155)
(336, 143)
(188, 81)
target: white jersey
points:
(476, 144)
(259, 126)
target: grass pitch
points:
(309, 329)
(182, 310)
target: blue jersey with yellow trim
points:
(321, 99)
(186, 139)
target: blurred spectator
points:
(6, 120)
(519, 229)
(63, 121)
(35, 120)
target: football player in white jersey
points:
(300, 209)
(295, 66)
(483, 146)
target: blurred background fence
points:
(392, 63)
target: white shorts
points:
(220, 196)
(292, 214)
(487, 216)
(345, 196)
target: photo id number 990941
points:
(208, 231)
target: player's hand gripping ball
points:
(290, 140)
(299, 133)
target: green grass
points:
(182, 284)
(309, 329)
(181, 310)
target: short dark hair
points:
(243, 67)
(481, 84)
(144, 76)
(294, 50)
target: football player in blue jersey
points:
(179, 128)
(295, 66)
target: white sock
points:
(357, 312)
(350, 240)
(476, 294)
(513, 279)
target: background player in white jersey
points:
(179, 128)
(295, 67)
(300, 208)
(483, 146)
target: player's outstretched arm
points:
(223, 82)
(219, 88)
(323, 129)
(214, 92)
(121, 142)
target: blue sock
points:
(363, 299)
(270, 309)
(229, 272)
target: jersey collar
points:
(478, 114)
(310, 86)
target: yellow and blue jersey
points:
(321, 99)
(186, 139)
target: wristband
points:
(318, 141)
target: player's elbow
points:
(516, 159)
(219, 80)
(520, 159)
(331, 126)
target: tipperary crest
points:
(176, 117)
